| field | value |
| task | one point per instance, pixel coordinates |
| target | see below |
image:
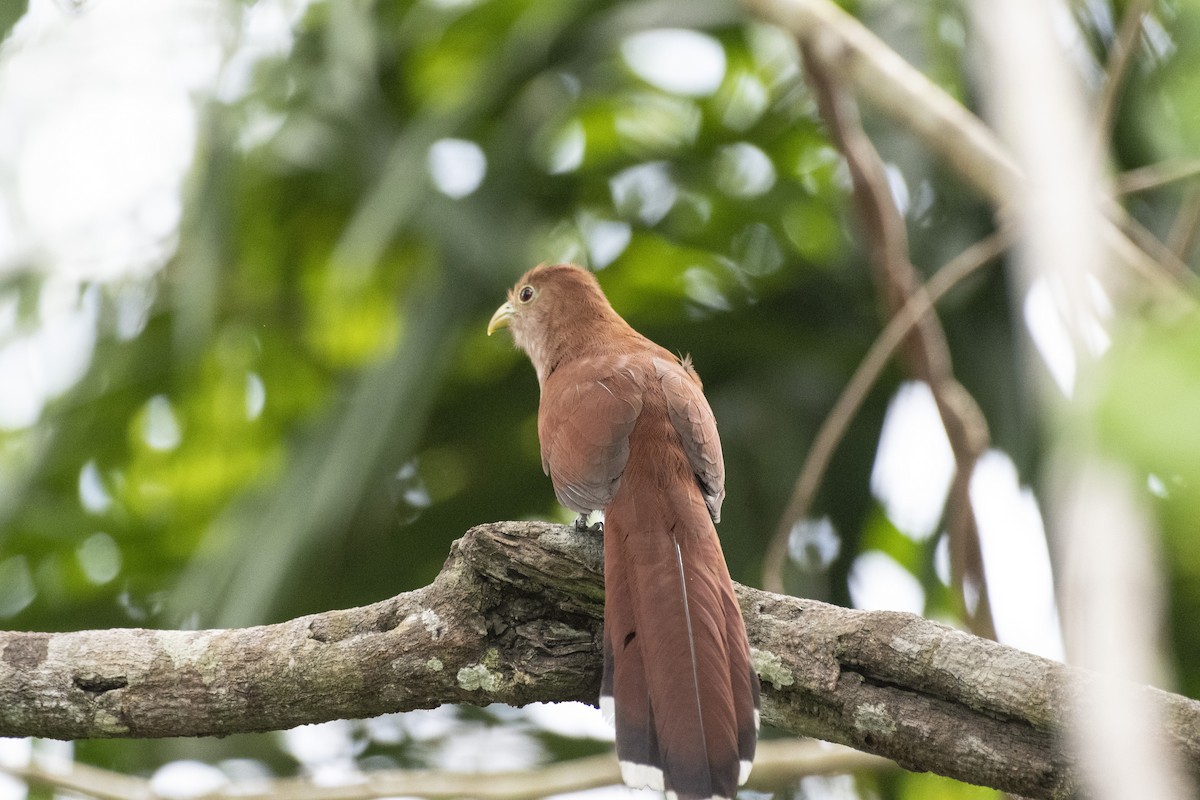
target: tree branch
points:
(515, 617)
(528, 633)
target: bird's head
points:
(553, 310)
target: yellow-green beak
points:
(500, 318)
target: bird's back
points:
(677, 667)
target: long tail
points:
(677, 671)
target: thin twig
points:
(82, 779)
(778, 762)
(1162, 253)
(1155, 176)
(1182, 237)
(837, 422)
(1120, 56)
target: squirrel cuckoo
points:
(624, 427)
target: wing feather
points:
(693, 420)
(588, 410)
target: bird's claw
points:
(581, 525)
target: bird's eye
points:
(526, 294)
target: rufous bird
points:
(625, 428)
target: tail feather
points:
(678, 663)
(744, 682)
(625, 677)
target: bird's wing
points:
(588, 409)
(697, 428)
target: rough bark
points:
(514, 617)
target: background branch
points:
(1182, 237)
(1120, 57)
(1155, 176)
(1104, 532)
(777, 763)
(837, 421)
(926, 350)
(880, 75)
(514, 617)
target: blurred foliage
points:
(304, 411)
(10, 12)
(911, 786)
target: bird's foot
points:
(581, 525)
